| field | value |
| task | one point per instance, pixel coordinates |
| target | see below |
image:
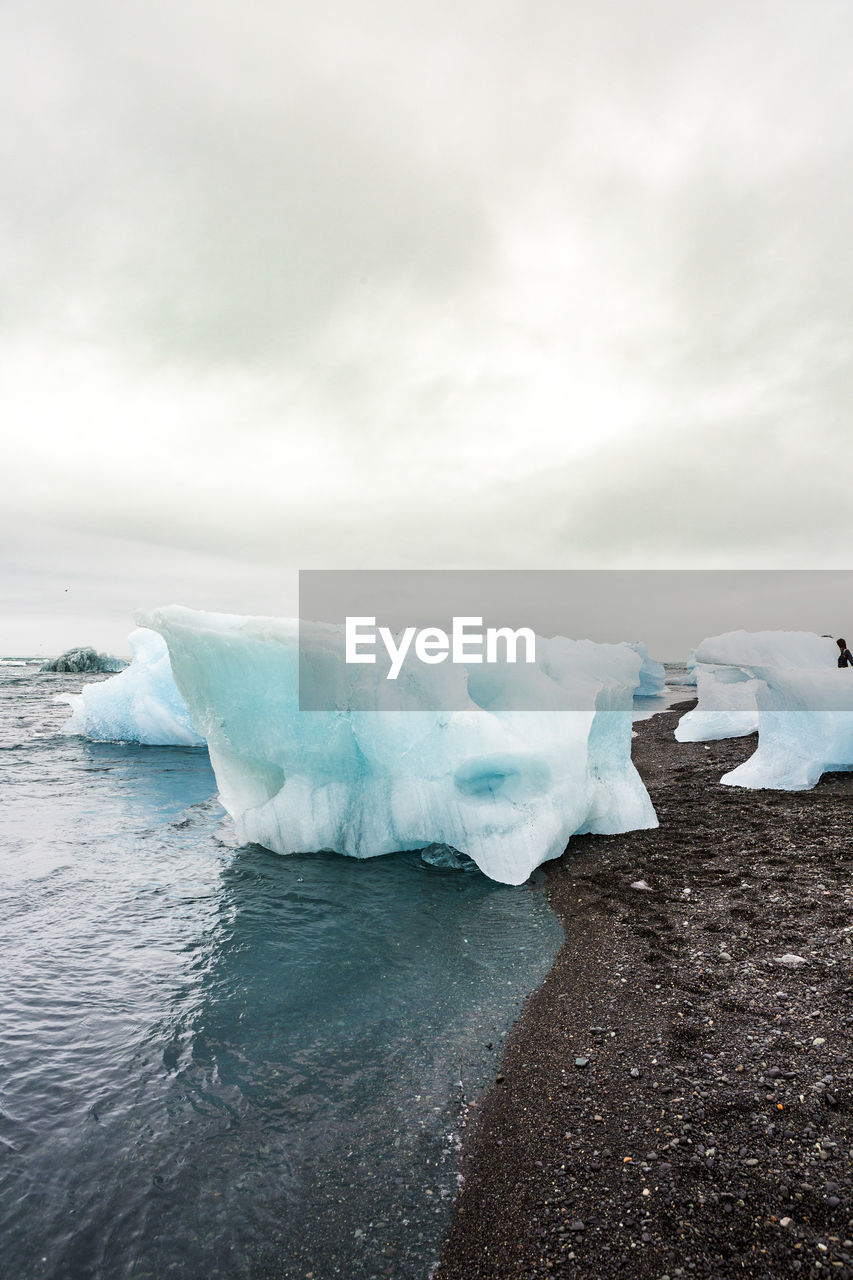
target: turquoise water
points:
(214, 1061)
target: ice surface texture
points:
(805, 729)
(505, 787)
(141, 704)
(84, 659)
(726, 705)
(652, 674)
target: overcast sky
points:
(392, 283)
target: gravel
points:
(729, 1152)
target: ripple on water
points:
(215, 1061)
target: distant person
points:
(845, 657)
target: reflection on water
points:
(216, 1062)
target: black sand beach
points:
(675, 1101)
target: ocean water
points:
(216, 1062)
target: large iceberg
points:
(141, 704)
(785, 684)
(505, 787)
(727, 682)
(805, 729)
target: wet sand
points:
(674, 1101)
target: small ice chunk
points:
(141, 704)
(652, 674)
(83, 659)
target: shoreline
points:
(673, 1102)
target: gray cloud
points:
(423, 284)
